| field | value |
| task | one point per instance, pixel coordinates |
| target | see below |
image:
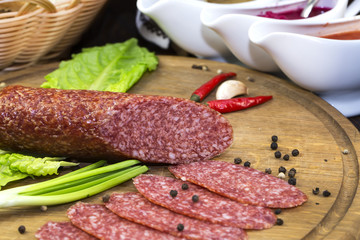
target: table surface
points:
(300, 119)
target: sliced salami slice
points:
(60, 231)
(136, 208)
(98, 124)
(243, 184)
(99, 221)
(198, 202)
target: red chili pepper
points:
(236, 104)
(200, 93)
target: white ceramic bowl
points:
(317, 64)
(180, 21)
(233, 25)
(347, 102)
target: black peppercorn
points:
(279, 221)
(274, 146)
(173, 193)
(295, 152)
(194, 66)
(237, 160)
(268, 170)
(105, 198)
(277, 154)
(180, 227)
(282, 169)
(286, 157)
(21, 229)
(250, 79)
(326, 193)
(292, 181)
(247, 164)
(291, 174)
(277, 211)
(195, 198)
(316, 191)
(184, 186)
(274, 138)
(293, 169)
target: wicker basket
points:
(15, 31)
(86, 16)
(41, 29)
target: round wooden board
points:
(300, 119)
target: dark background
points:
(115, 23)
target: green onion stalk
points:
(76, 185)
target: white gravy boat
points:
(233, 25)
(180, 21)
(317, 64)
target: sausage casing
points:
(109, 125)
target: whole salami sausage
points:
(100, 222)
(198, 202)
(97, 124)
(60, 231)
(136, 208)
(243, 184)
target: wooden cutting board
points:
(327, 141)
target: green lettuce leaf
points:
(7, 175)
(15, 166)
(114, 67)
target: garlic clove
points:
(230, 89)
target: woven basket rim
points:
(63, 11)
(19, 18)
(30, 5)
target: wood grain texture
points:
(299, 118)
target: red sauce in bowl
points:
(351, 35)
(293, 14)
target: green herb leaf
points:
(113, 67)
(7, 175)
(15, 166)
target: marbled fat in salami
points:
(98, 124)
(100, 222)
(209, 207)
(243, 184)
(61, 231)
(136, 208)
